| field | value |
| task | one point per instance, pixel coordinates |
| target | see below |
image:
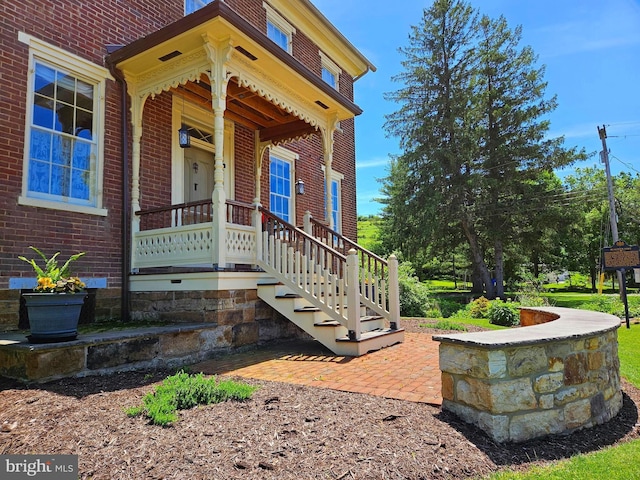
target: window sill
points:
(67, 207)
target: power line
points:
(624, 163)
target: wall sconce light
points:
(183, 137)
(300, 187)
(195, 167)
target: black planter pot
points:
(53, 317)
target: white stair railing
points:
(378, 278)
(315, 271)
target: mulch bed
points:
(284, 432)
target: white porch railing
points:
(332, 272)
(183, 235)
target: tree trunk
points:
(535, 260)
(477, 258)
(477, 285)
(499, 259)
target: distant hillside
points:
(368, 232)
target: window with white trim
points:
(63, 165)
(191, 6)
(281, 174)
(336, 199)
(330, 71)
(278, 29)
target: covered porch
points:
(212, 99)
(234, 95)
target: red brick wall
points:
(85, 32)
(244, 164)
(252, 11)
(155, 148)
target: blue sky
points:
(591, 50)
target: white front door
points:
(198, 174)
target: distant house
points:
(201, 153)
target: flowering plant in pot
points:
(56, 302)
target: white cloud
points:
(583, 130)
(372, 163)
(614, 25)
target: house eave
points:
(218, 19)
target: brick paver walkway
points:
(407, 371)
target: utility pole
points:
(612, 203)
(602, 132)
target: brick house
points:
(201, 153)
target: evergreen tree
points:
(472, 125)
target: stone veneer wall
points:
(546, 383)
(244, 317)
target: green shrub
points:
(532, 300)
(183, 391)
(414, 295)
(504, 314)
(448, 307)
(613, 304)
(479, 308)
(447, 324)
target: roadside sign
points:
(621, 256)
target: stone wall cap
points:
(18, 340)
(571, 323)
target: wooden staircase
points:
(341, 300)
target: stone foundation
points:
(533, 381)
(250, 319)
(106, 352)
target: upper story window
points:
(63, 165)
(278, 29)
(191, 6)
(330, 71)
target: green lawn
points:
(569, 299)
(615, 463)
(628, 349)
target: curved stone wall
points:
(558, 373)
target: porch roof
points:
(180, 40)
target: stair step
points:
(371, 318)
(289, 295)
(327, 323)
(371, 335)
(307, 309)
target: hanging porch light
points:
(183, 137)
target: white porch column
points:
(327, 143)
(137, 108)
(218, 53)
(259, 148)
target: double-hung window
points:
(279, 30)
(64, 130)
(336, 197)
(281, 174)
(330, 71)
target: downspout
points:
(126, 197)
